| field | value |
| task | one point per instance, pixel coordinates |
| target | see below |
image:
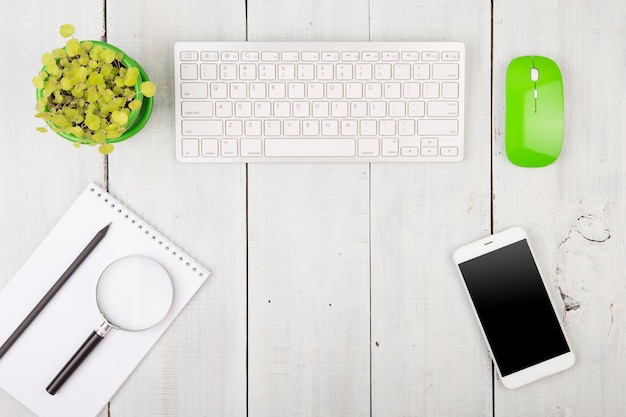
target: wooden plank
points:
(308, 254)
(427, 355)
(41, 174)
(574, 209)
(199, 366)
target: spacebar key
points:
(309, 147)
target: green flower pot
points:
(137, 119)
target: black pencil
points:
(52, 291)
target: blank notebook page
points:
(42, 350)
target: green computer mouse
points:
(534, 111)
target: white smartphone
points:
(517, 317)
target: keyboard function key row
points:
(291, 56)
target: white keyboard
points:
(319, 101)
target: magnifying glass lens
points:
(134, 293)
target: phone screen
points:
(514, 308)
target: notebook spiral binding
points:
(147, 229)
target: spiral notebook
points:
(43, 349)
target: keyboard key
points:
(354, 90)
(430, 90)
(238, 90)
(411, 90)
(251, 147)
(310, 56)
(325, 72)
(402, 71)
(387, 127)
(443, 108)
(277, 90)
(319, 109)
(450, 56)
(445, 71)
(247, 71)
(262, 109)
(243, 109)
(196, 109)
(421, 71)
(390, 147)
(253, 128)
(290, 56)
(330, 56)
(370, 56)
(330, 128)
(350, 56)
(230, 56)
(310, 128)
(344, 71)
(209, 56)
(218, 90)
(269, 56)
(228, 71)
(449, 90)
(397, 109)
(248, 56)
(437, 127)
(202, 128)
(190, 148)
(363, 72)
(430, 56)
(306, 71)
(234, 128)
(349, 128)
(390, 56)
(368, 147)
(208, 71)
(267, 72)
(295, 90)
(449, 151)
(373, 90)
(296, 147)
(406, 127)
(286, 72)
(188, 71)
(189, 56)
(194, 90)
(382, 71)
(410, 56)
(228, 147)
(257, 90)
(282, 109)
(291, 128)
(209, 148)
(416, 109)
(271, 128)
(409, 151)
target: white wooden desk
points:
(333, 290)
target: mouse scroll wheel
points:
(534, 74)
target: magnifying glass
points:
(133, 293)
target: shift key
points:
(437, 127)
(202, 128)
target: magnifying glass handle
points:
(79, 356)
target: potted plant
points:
(91, 93)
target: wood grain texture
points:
(199, 366)
(41, 174)
(308, 254)
(573, 210)
(427, 355)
